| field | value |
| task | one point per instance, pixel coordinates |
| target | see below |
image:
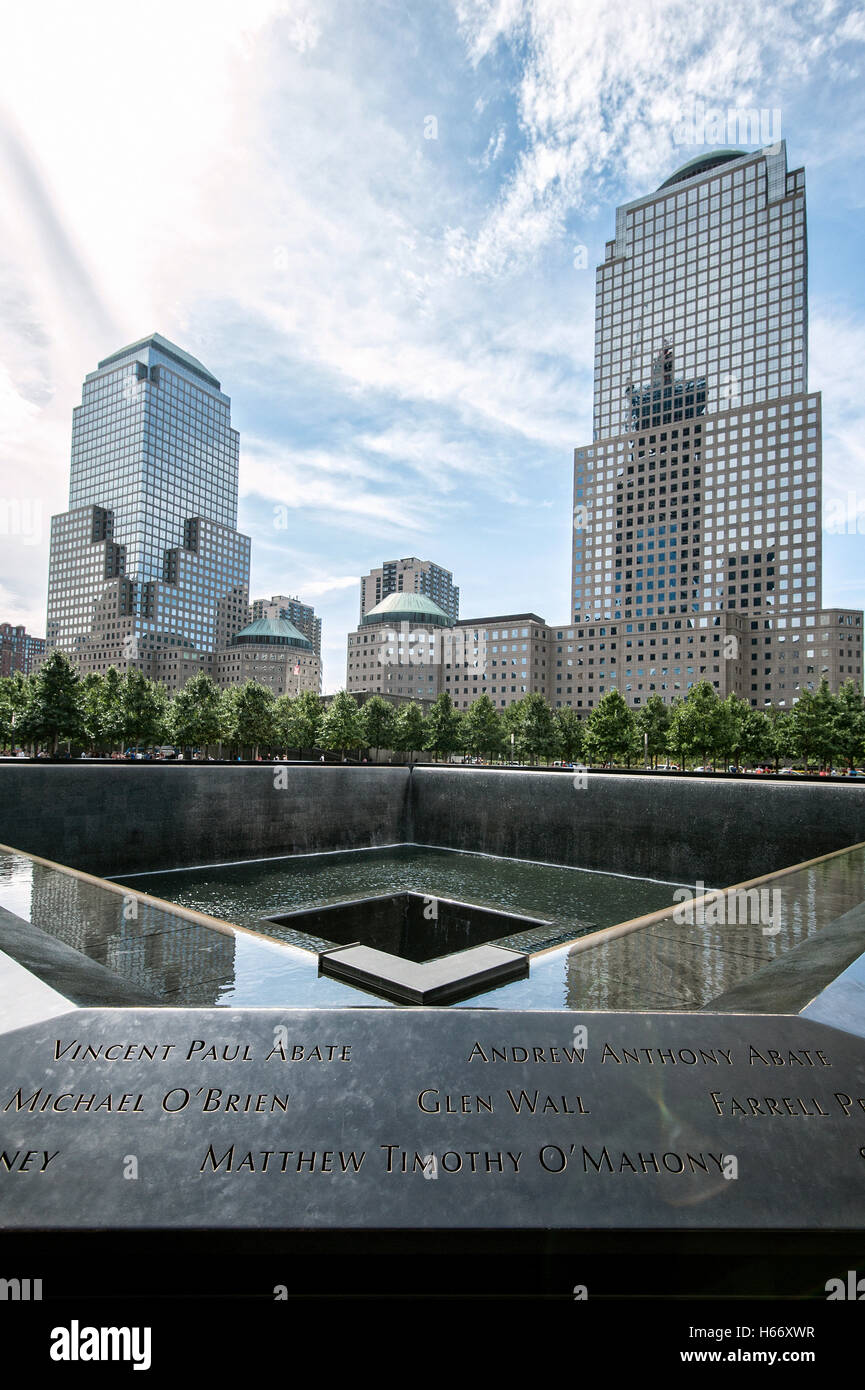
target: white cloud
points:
(602, 88)
(494, 148)
(297, 481)
(835, 368)
(317, 588)
(408, 345)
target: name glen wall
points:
(369, 1118)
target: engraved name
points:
(433, 1102)
(527, 1054)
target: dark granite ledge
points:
(81, 980)
(791, 982)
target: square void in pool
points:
(409, 925)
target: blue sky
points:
(366, 220)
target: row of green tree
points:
(55, 709)
(700, 728)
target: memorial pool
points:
(573, 901)
(200, 859)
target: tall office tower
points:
(410, 576)
(698, 503)
(147, 568)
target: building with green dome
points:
(411, 608)
(408, 648)
(273, 652)
(397, 648)
(295, 610)
(410, 575)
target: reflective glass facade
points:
(148, 557)
(697, 506)
(701, 301)
(701, 490)
(721, 514)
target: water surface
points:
(573, 901)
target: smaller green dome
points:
(410, 608)
(272, 632)
(702, 164)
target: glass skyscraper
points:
(697, 506)
(147, 567)
(702, 299)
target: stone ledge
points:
(77, 979)
(802, 975)
(438, 981)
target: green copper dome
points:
(272, 632)
(409, 608)
(701, 164)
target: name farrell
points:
(765, 1105)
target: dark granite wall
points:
(683, 829)
(110, 819)
(115, 818)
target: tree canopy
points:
(55, 707)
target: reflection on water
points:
(673, 965)
(178, 962)
(169, 958)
